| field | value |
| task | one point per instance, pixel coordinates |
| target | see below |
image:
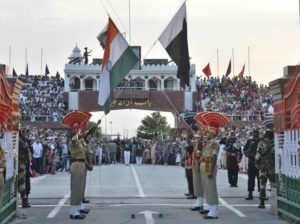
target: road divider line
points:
(138, 183)
(57, 208)
(230, 207)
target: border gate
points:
(286, 96)
(9, 114)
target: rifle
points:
(91, 131)
(85, 137)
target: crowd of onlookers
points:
(41, 98)
(242, 98)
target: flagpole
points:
(248, 61)
(233, 62)
(129, 22)
(218, 61)
(25, 59)
(9, 59)
(41, 61)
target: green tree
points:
(97, 134)
(154, 126)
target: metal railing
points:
(46, 118)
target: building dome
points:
(76, 53)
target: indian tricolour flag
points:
(117, 62)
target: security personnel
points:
(250, 150)
(265, 162)
(78, 152)
(233, 157)
(24, 161)
(208, 168)
(197, 180)
(2, 174)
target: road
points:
(149, 194)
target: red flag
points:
(206, 70)
(228, 69)
(241, 74)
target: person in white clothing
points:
(37, 156)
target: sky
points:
(270, 28)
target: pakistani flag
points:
(117, 62)
(102, 36)
(174, 40)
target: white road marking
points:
(230, 207)
(60, 204)
(138, 183)
(148, 216)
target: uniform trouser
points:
(197, 183)
(113, 157)
(22, 180)
(264, 176)
(127, 157)
(1, 187)
(84, 183)
(233, 176)
(78, 174)
(252, 174)
(209, 186)
(189, 178)
(139, 160)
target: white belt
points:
(1, 169)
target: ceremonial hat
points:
(76, 120)
(212, 120)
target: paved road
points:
(117, 192)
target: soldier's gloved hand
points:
(209, 176)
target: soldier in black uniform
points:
(233, 157)
(250, 151)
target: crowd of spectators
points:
(41, 98)
(242, 98)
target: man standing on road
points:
(233, 157)
(78, 172)
(24, 161)
(250, 151)
(197, 180)
(265, 162)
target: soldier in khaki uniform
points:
(78, 150)
(197, 180)
(212, 121)
(209, 172)
(2, 176)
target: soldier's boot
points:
(262, 197)
(262, 203)
(25, 203)
(250, 196)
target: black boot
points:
(25, 203)
(262, 203)
(250, 196)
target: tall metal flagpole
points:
(248, 61)
(9, 59)
(233, 62)
(41, 61)
(25, 59)
(129, 23)
(218, 61)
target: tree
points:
(154, 126)
(97, 134)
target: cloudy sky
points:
(270, 28)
